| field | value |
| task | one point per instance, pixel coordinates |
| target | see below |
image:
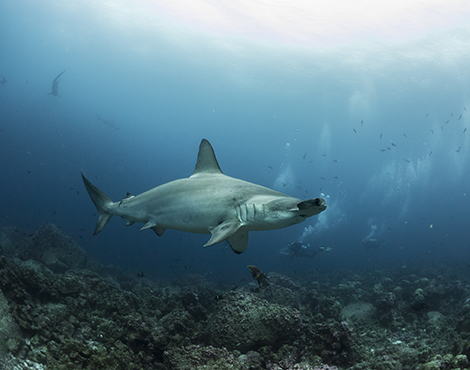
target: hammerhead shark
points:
(55, 85)
(208, 202)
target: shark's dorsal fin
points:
(206, 160)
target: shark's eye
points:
(317, 201)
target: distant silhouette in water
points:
(371, 241)
(296, 249)
(3, 80)
(108, 122)
(55, 85)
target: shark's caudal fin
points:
(102, 203)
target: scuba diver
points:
(371, 241)
(296, 249)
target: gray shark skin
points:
(55, 85)
(208, 202)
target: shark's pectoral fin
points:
(158, 230)
(223, 231)
(239, 241)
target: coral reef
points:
(59, 309)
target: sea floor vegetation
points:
(61, 310)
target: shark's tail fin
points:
(102, 203)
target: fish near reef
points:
(258, 275)
(208, 202)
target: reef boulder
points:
(245, 322)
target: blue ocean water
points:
(377, 127)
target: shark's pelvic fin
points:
(206, 160)
(223, 231)
(239, 241)
(149, 225)
(152, 225)
(158, 230)
(102, 203)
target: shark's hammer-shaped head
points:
(288, 211)
(311, 207)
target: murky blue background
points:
(376, 127)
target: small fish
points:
(270, 167)
(405, 136)
(383, 150)
(380, 137)
(140, 274)
(427, 114)
(464, 130)
(393, 144)
(432, 132)
(458, 150)
(362, 123)
(447, 122)
(460, 117)
(284, 184)
(334, 160)
(305, 155)
(407, 160)
(354, 130)
(430, 153)
(452, 114)
(258, 275)
(108, 122)
(322, 178)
